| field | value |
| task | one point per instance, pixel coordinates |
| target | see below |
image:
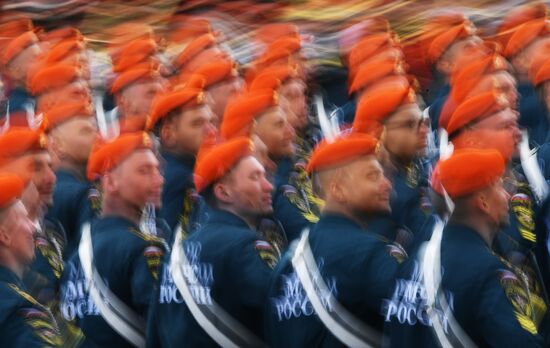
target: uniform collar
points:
(69, 174)
(107, 222)
(187, 160)
(224, 217)
(8, 276)
(459, 232)
(338, 222)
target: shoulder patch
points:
(153, 255)
(519, 298)
(39, 319)
(266, 252)
(397, 252)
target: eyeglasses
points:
(412, 124)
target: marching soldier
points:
(29, 149)
(482, 298)
(19, 52)
(356, 263)
(117, 259)
(24, 322)
(71, 131)
(181, 119)
(523, 34)
(225, 269)
(389, 109)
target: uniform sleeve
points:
(143, 280)
(380, 272)
(252, 273)
(501, 315)
(290, 216)
(22, 325)
(152, 335)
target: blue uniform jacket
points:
(486, 295)
(358, 267)
(23, 321)
(293, 202)
(532, 114)
(72, 207)
(226, 256)
(179, 201)
(43, 277)
(128, 262)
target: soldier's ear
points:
(482, 203)
(5, 237)
(222, 194)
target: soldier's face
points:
(136, 99)
(459, 53)
(43, 177)
(506, 119)
(365, 188)
(502, 83)
(247, 189)
(406, 133)
(20, 64)
(76, 90)
(17, 233)
(276, 133)
(191, 127)
(523, 60)
(220, 94)
(497, 199)
(74, 138)
(137, 180)
(294, 92)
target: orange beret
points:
(543, 73)
(524, 35)
(18, 141)
(475, 109)
(444, 40)
(502, 140)
(291, 44)
(16, 27)
(467, 171)
(128, 31)
(464, 81)
(164, 104)
(240, 112)
(184, 27)
(517, 17)
(380, 101)
(273, 77)
(11, 188)
(357, 31)
(65, 111)
(131, 76)
(105, 156)
(282, 57)
(211, 73)
(17, 45)
(374, 70)
(368, 47)
(194, 48)
(51, 77)
(215, 163)
(135, 52)
(62, 34)
(62, 50)
(138, 46)
(273, 31)
(344, 149)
